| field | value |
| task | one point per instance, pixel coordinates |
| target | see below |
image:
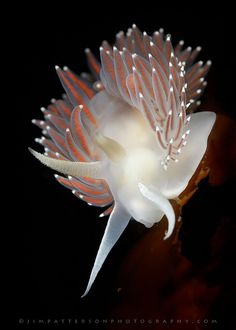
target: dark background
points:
(58, 235)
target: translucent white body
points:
(131, 144)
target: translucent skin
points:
(126, 141)
(141, 163)
(127, 126)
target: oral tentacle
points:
(117, 223)
(162, 203)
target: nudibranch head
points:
(123, 137)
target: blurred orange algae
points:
(155, 279)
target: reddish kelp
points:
(188, 281)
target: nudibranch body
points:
(124, 139)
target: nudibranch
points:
(123, 137)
